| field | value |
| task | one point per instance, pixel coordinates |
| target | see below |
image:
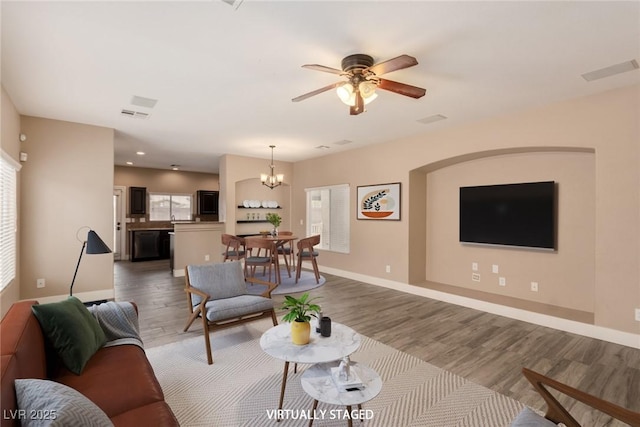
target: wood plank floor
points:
(487, 349)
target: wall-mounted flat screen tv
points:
(522, 214)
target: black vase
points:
(325, 326)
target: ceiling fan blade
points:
(398, 63)
(358, 107)
(401, 88)
(323, 68)
(316, 92)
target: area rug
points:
(288, 286)
(242, 387)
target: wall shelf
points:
(244, 221)
(242, 207)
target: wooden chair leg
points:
(207, 340)
(274, 318)
(298, 268)
(194, 316)
(315, 269)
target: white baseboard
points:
(103, 294)
(592, 331)
(178, 273)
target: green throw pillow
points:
(73, 332)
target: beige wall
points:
(566, 277)
(67, 183)
(606, 124)
(11, 145)
(169, 181)
(240, 179)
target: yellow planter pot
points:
(300, 332)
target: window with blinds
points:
(8, 218)
(328, 216)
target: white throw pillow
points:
(48, 403)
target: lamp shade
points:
(95, 245)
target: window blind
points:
(328, 215)
(8, 218)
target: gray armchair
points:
(217, 293)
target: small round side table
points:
(317, 383)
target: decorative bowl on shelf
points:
(265, 233)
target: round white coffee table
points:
(317, 383)
(276, 342)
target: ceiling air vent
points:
(234, 3)
(134, 114)
(612, 70)
(141, 101)
(431, 119)
(343, 142)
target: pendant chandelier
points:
(272, 180)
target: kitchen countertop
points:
(152, 229)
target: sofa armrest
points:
(558, 414)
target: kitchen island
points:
(195, 243)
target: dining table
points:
(279, 240)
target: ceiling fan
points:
(363, 79)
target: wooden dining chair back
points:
(285, 248)
(260, 253)
(217, 293)
(234, 248)
(307, 252)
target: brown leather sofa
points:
(118, 379)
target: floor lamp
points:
(94, 245)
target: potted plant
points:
(275, 220)
(300, 312)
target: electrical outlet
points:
(638, 314)
(474, 266)
(475, 277)
(388, 269)
(534, 286)
(40, 283)
(302, 222)
(502, 281)
(494, 268)
(207, 257)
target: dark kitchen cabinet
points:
(207, 202)
(137, 200)
(150, 244)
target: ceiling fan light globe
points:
(346, 94)
(369, 98)
(367, 89)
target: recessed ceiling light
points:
(322, 147)
(175, 167)
(129, 163)
(343, 142)
(140, 153)
(611, 70)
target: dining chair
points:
(285, 248)
(234, 248)
(261, 252)
(306, 252)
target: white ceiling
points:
(224, 77)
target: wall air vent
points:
(134, 114)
